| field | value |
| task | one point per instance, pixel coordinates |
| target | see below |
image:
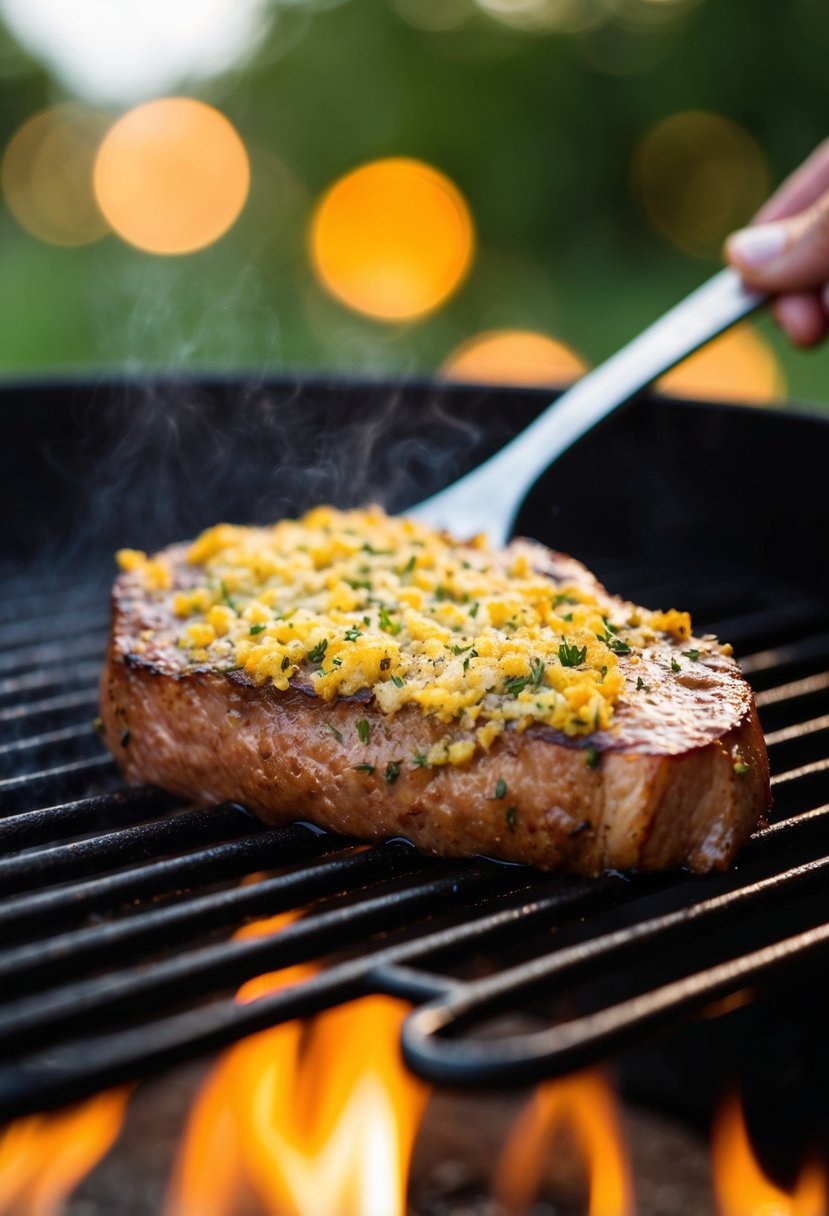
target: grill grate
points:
(119, 905)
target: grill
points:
(119, 904)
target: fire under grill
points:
(119, 906)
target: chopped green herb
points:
(603, 673)
(397, 682)
(363, 730)
(317, 653)
(741, 768)
(674, 665)
(364, 768)
(254, 629)
(393, 771)
(233, 667)
(511, 818)
(441, 592)
(613, 643)
(567, 616)
(353, 633)
(517, 685)
(640, 684)
(286, 663)
(473, 611)
(387, 623)
(473, 654)
(367, 548)
(563, 598)
(571, 656)
(592, 757)
(536, 672)
(337, 734)
(608, 627)
(359, 584)
(500, 787)
(461, 649)
(693, 655)
(409, 567)
(420, 760)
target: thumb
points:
(787, 255)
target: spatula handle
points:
(488, 498)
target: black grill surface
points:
(119, 906)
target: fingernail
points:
(756, 246)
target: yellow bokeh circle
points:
(47, 175)
(513, 356)
(172, 175)
(392, 239)
(739, 366)
(699, 175)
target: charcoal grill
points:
(119, 905)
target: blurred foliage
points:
(537, 127)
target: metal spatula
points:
(488, 499)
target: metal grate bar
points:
(87, 645)
(36, 681)
(211, 968)
(126, 846)
(48, 739)
(175, 875)
(792, 690)
(52, 823)
(15, 791)
(87, 698)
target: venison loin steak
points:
(380, 679)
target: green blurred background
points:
(603, 147)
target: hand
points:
(786, 250)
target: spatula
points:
(488, 499)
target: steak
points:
(472, 701)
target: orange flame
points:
(311, 1117)
(583, 1104)
(740, 1186)
(44, 1157)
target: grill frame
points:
(90, 863)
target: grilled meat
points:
(473, 702)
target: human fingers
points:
(787, 255)
(800, 189)
(803, 316)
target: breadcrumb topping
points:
(356, 602)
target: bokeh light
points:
(47, 175)
(392, 239)
(172, 176)
(118, 54)
(513, 356)
(739, 366)
(699, 176)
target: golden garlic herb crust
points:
(357, 602)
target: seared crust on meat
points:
(681, 779)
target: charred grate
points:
(119, 906)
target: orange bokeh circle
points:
(172, 175)
(513, 356)
(392, 239)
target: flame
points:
(740, 1186)
(47, 175)
(312, 1117)
(392, 239)
(739, 366)
(172, 175)
(513, 356)
(698, 176)
(44, 1157)
(583, 1104)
